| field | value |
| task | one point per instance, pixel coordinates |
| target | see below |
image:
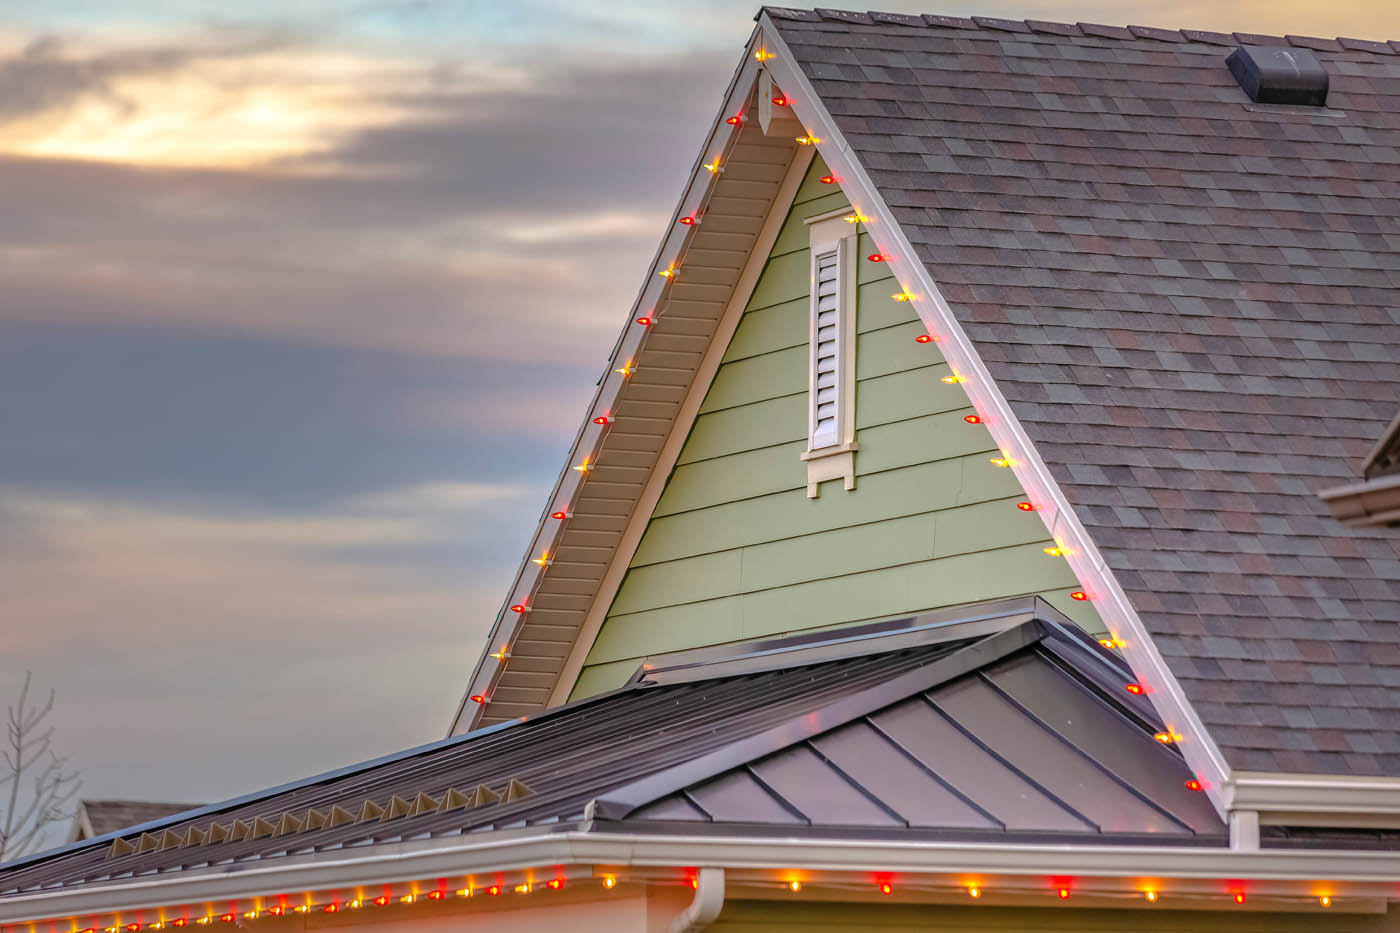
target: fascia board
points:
(589, 437)
(1083, 555)
(517, 852)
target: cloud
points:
(211, 644)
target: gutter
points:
(709, 899)
(1374, 502)
(529, 850)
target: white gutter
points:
(1374, 502)
(503, 854)
(709, 900)
(1087, 563)
(1313, 793)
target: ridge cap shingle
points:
(1089, 30)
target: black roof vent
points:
(1279, 75)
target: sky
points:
(300, 306)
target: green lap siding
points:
(735, 549)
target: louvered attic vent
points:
(1279, 75)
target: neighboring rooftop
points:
(100, 817)
(925, 728)
(1192, 303)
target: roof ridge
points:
(1084, 30)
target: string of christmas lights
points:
(886, 886)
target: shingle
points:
(1190, 305)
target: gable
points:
(1192, 321)
(735, 548)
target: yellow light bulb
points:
(1053, 551)
(901, 296)
(522, 889)
(465, 892)
(974, 892)
(1325, 901)
(407, 899)
(584, 467)
(712, 167)
(794, 886)
(501, 655)
(763, 55)
(1000, 461)
(627, 370)
(1152, 896)
(543, 559)
(855, 218)
(609, 881)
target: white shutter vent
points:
(826, 353)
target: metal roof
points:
(1189, 301)
(1036, 737)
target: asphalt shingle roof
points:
(1190, 302)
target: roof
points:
(1037, 740)
(99, 817)
(1190, 303)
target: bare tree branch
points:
(28, 754)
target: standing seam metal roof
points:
(629, 744)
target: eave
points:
(923, 871)
(1374, 502)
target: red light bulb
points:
(735, 120)
(972, 419)
(1239, 897)
(886, 888)
(876, 257)
(276, 911)
(381, 900)
(1194, 784)
(780, 101)
(227, 918)
(1136, 690)
(644, 321)
(828, 179)
(179, 922)
(517, 608)
(555, 883)
(1064, 894)
(688, 221)
(601, 419)
(494, 890)
(1079, 595)
(133, 927)
(434, 895)
(331, 908)
(559, 515)
(924, 338)
(478, 698)
(1025, 507)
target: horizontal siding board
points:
(774, 421)
(704, 577)
(784, 278)
(752, 380)
(753, 521)
(764, 330)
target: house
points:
(95, 818)
(950, 544)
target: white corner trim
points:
(637, 522)
(1089, 566)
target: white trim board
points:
(1089, 567)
